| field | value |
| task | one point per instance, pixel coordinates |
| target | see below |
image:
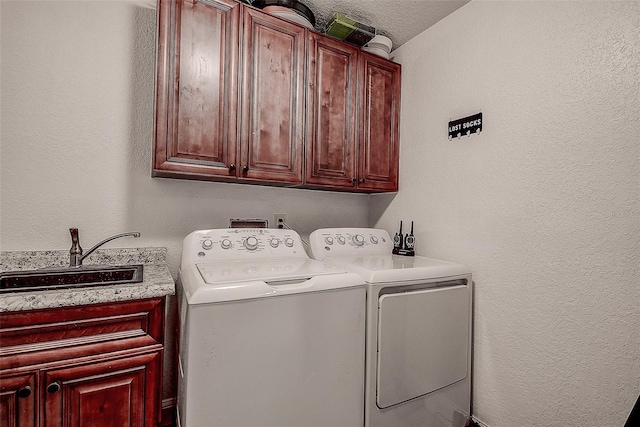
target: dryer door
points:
(423, 342)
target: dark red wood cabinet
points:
(96, 365)
(18, 406)
(331, 148)
(272, 113)
(379, 117)
(243, 96)
(196, 89)
(353, 112)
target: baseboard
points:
(479, 422)
(168, 413)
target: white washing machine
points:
(419, 329)
(268, 336)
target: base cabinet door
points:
(104, 394)
(19, 400)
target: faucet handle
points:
(75, 241)
(75, 253)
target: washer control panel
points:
(334, 242)
(242, 243)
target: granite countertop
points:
(157, 280)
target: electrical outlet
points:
(279, 220)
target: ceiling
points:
(400, 20)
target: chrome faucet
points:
(75, 253)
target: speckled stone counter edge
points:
(157, 278)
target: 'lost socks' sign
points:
(465, 126)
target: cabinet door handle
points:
(353, 180)
(361, 180)
(232, 167)
(245, 169)
(53, 387)
(24, 392)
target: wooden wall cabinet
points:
(97, 365)
(353, 113)
(272, 119)
(331, 148)
(196, 89)
(278, 105)
(378, 144)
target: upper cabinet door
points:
(273, 99)
(331, 113)
(196, 88)
(378, 137)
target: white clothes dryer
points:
(268, 336)
(419, 329)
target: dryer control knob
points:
(358, 240)
(251, 243)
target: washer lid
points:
(397, 268)
(218, 282)
(267, 270)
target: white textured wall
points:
(543, 206)
(76, 94)
(77, 135)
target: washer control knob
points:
(342, 240)
(225, 244)
(374, 240)
(207, 244)
(289, 242)
(251, 243)
(358, 240)
(274, 242)
(328, 240)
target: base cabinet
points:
(91, 366)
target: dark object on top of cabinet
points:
(245, 97)
(294, 5)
